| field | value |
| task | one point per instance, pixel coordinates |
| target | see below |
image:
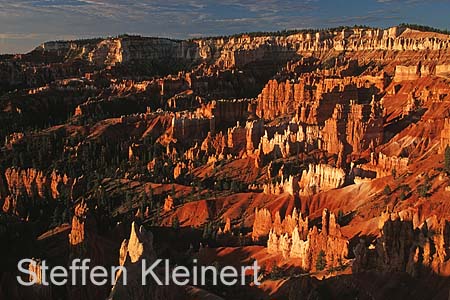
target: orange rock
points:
(306, 244)
(262, 224)
(77, 233)
(168, 204)
(227, 227)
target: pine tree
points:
(447, 159)
(340, 217)
(207, 231)
(175, 222)
(233, 187)
(151, 194)
(225, 186)
(145, 198)
(65, 216)
(57, 214)
(321, 262)
(172, 191)
(387, 190)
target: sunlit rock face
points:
(305, 244)
(405, 246)
(133, 252)
(284, 148)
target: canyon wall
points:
(381, 165)
(320, 178)
(309, 245)
(23, 186)
(402, 247)
(189, 127)
(315, 179)
(341, 116)
(230, 52)
(443, 70)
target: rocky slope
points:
(323, 155)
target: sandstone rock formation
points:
(23, 186)
(262, 223)
(77, 235)
(191, 127)
(34, 183)
(168, 204)
(406, 73)
(226, 229)
(317, 178)
(347, 117)
(133, 252)
(443, 70)
(308, 118)
(85, 243)
(405, 248)
(305, 244)
(382, 165)
(289, 186)
(38, 290)
(320, 178)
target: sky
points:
(24, 24)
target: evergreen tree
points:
(394, 173)
(447, 159)
(387, 190)
(321, 262)
(206, 231)
(175, 222)
(66, 216)
(225, 186)
(172, 191)
(57, 214)
(340, 217)
(234, 187)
